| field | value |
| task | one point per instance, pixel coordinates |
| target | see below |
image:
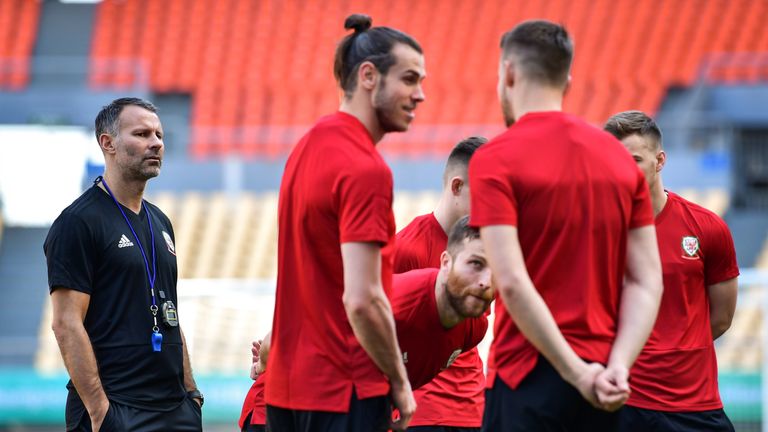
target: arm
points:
(640, 301)
(722, 305)
(69, 309)
(528, 310)
(370, 316)
(189, 380)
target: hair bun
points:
(358, 22)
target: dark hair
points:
(542, 49)
(628, 123)
(373, 44)
(461, 231)
(108, 119)
(462, 153)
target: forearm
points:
(374, 327)
(80, 361)
(189, 379)
(637, 315)
(535, 321)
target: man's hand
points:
(584, 382)
(97, 417)
(612, 387)
(257, 366)
(403, 400)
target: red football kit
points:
(677, 369)
(336, 189)
(254, 404)
(455, 396)
(573, 192)
(427, 346)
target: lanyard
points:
(157, 337)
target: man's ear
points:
(367, 75)
(661, 160)
(107, 143)
(509, 72)
(457, 183)
(445, 259)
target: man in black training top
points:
(112, 277)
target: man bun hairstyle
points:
(461, 232)
(543, 50)
(628, 123)
(366, 43)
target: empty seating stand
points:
(261, 72)
(18, 29)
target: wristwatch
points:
(195, 394)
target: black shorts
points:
(542, 402)
(442, 429)
(248, 427)
(187, 417)
(633, 419)
(365, 415)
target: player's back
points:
(572, 191)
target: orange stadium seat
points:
(261, 72)
(18, 29)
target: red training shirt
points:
(254, 404)
(455, 396)
(427, 346)
(677, 369)
(573, 192)
(336, 189)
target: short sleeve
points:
(69, 252)
(642, 209)
(492, 199)
(720, 255)
(364, 197)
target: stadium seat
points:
(18, 29)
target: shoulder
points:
(86, 207)
(414, 281)
(706, 218)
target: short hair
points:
(108, 119)
(460, 232)
(543, 50)
(628, 123)
(462, 153)
(367, 43)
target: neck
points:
(445, 213)
(126, 192)
(658, 197)
(360, 107)
(536, 98)
(448, 316)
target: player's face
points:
(399, 91)
(469, 281)
(646, 156)
(139, 144)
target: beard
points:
(506, 110)
(458, 302)
(137, 169)
(386, 108)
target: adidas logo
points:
(124, 242)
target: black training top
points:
(91, 249)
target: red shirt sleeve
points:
(720, 255)
(492, 198)
(364, 196)
(642, 209)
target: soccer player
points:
(700, 287)
(334, 348)
(454, 400)
(439, 313)
(567, 225)
(112, 276)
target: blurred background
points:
(238, 82)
